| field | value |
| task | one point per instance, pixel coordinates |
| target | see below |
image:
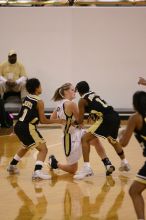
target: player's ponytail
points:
(59, 93)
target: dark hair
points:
(32, 84)
(82, 87)
(59, 93)
(139, 102)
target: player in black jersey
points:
(31, 113)
(137, 124)
(106, 123)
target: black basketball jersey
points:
(29, 112)
(95, 103)
(141, 136)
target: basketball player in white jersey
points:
(68, 110)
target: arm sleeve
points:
(21, 79)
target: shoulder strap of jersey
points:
(86, 94)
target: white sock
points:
(16, 157)
(124, 161)
(39, 162)
(86, 164)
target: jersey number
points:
(102, 102)
(23, 115)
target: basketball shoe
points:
(12, 169)
(124, 167)
(109, 169)
(53, 162)
(108, 166)
(38, 174)
(84, 172)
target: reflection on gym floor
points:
(63, 198)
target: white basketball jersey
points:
(62, 115)
(61, 109)
(72, 135)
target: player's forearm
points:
(50, 121)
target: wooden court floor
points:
(62, 198)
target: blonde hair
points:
(59, 93)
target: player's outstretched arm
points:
(44, 119)
(125, 135)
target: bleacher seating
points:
(15, 107)
(12, 102)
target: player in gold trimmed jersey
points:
(31, 113)
(137, 124)
(106, 123)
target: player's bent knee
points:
(87, 138)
